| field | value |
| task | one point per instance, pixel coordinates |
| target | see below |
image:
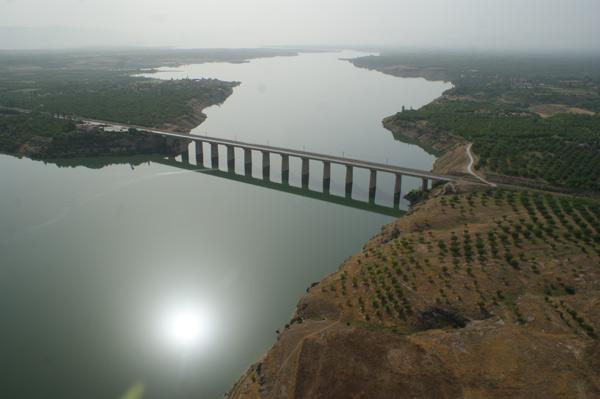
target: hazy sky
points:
(246, 23)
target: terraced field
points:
(535, 244)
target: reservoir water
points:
(132, 275)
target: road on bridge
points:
(286, 151)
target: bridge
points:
(428, 179)
(345, 201)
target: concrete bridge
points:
(346, 201)
(428, 179)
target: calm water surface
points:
(156, 278)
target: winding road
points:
(470, 167)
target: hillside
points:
(479, 292)
(482, 294)
(533, 119)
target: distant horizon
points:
(544, 25)
(370, 47)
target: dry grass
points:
(548, 110)
(499, 287)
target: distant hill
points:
(19, 37)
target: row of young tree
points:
(563, 150)
(138, 101)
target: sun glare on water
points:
(187, 326)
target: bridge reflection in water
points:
(196, 150)
(287, 188)
(222, 164)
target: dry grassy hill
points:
(482, 294)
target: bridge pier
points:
(305, 172)
(214, 155)
(185, 155)
(435, 183)
(266, 164)
(326, 176)
(230, 158)
(285, 169)
(199, 154)
(397, 190)
(247, 162)
(372, 185)
(428, 179)
(349, 181)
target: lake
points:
(137, 274)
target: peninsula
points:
(43, 95)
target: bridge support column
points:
(326, 176)
(247, 162)
(372, 185)
(349, 180)
(185, 155)
(169, 141)
(424, 184)
(285, 169)
(397, 191)
(305, 172)
(214, 155)
(230, 158)
(199, 154)
(266, 164)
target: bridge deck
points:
(286, 151)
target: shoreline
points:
(449, 150)
(304, 358)
(445, 163)
(432, 74)
(347, 337)
(331, 348)
(338, 344)
(87, 140)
